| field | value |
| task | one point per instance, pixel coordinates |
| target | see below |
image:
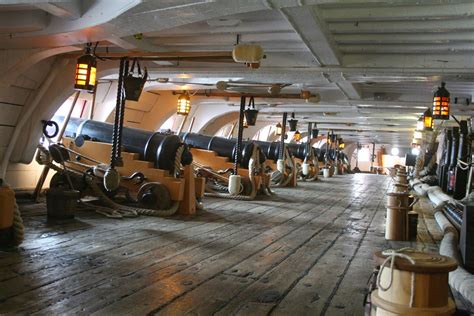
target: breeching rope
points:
(254, 160)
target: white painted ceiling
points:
(375, 63)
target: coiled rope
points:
(18, 227)
(285, 180)
(391, 257)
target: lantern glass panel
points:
(184, 105)
(86, 73)
(441, 103)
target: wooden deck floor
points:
(304, 251)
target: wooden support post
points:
(231, 132)
(181, 126)
(191, 124)
(188, 204)
(94, 95)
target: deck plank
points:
(305, 250)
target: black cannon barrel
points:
(222, 146)
(155, 147)
(270, 149)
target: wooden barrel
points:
(396, 222)
(430, 287)
(397, 199)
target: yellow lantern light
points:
(297, 136)
(428, 120)
(341, 144)
(86, 72)
(184, 104)
(278, 130)
(441, 103)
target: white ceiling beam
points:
(436, 64)
(408, 48)
(313, 33)
(70, 9)
(229, 39)
(355, 3)
(415, 38)
(404, 13)
(23, 21)
(247, 27)
(402, 26)
(267, 47)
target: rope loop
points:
(392, 254)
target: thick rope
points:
(18, 227)
(285, 180)
(391, 256)
(252, 166)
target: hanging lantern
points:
(278, 129)
(314, 131)
(293, 122)
(441, 103)
(244, 123)
(86, 72)
(341, 144)
(420, 124)
(428, 120)
(297, 136)
(184, 104)
(251, 113)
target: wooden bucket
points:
(430, 287)
(396, 222)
